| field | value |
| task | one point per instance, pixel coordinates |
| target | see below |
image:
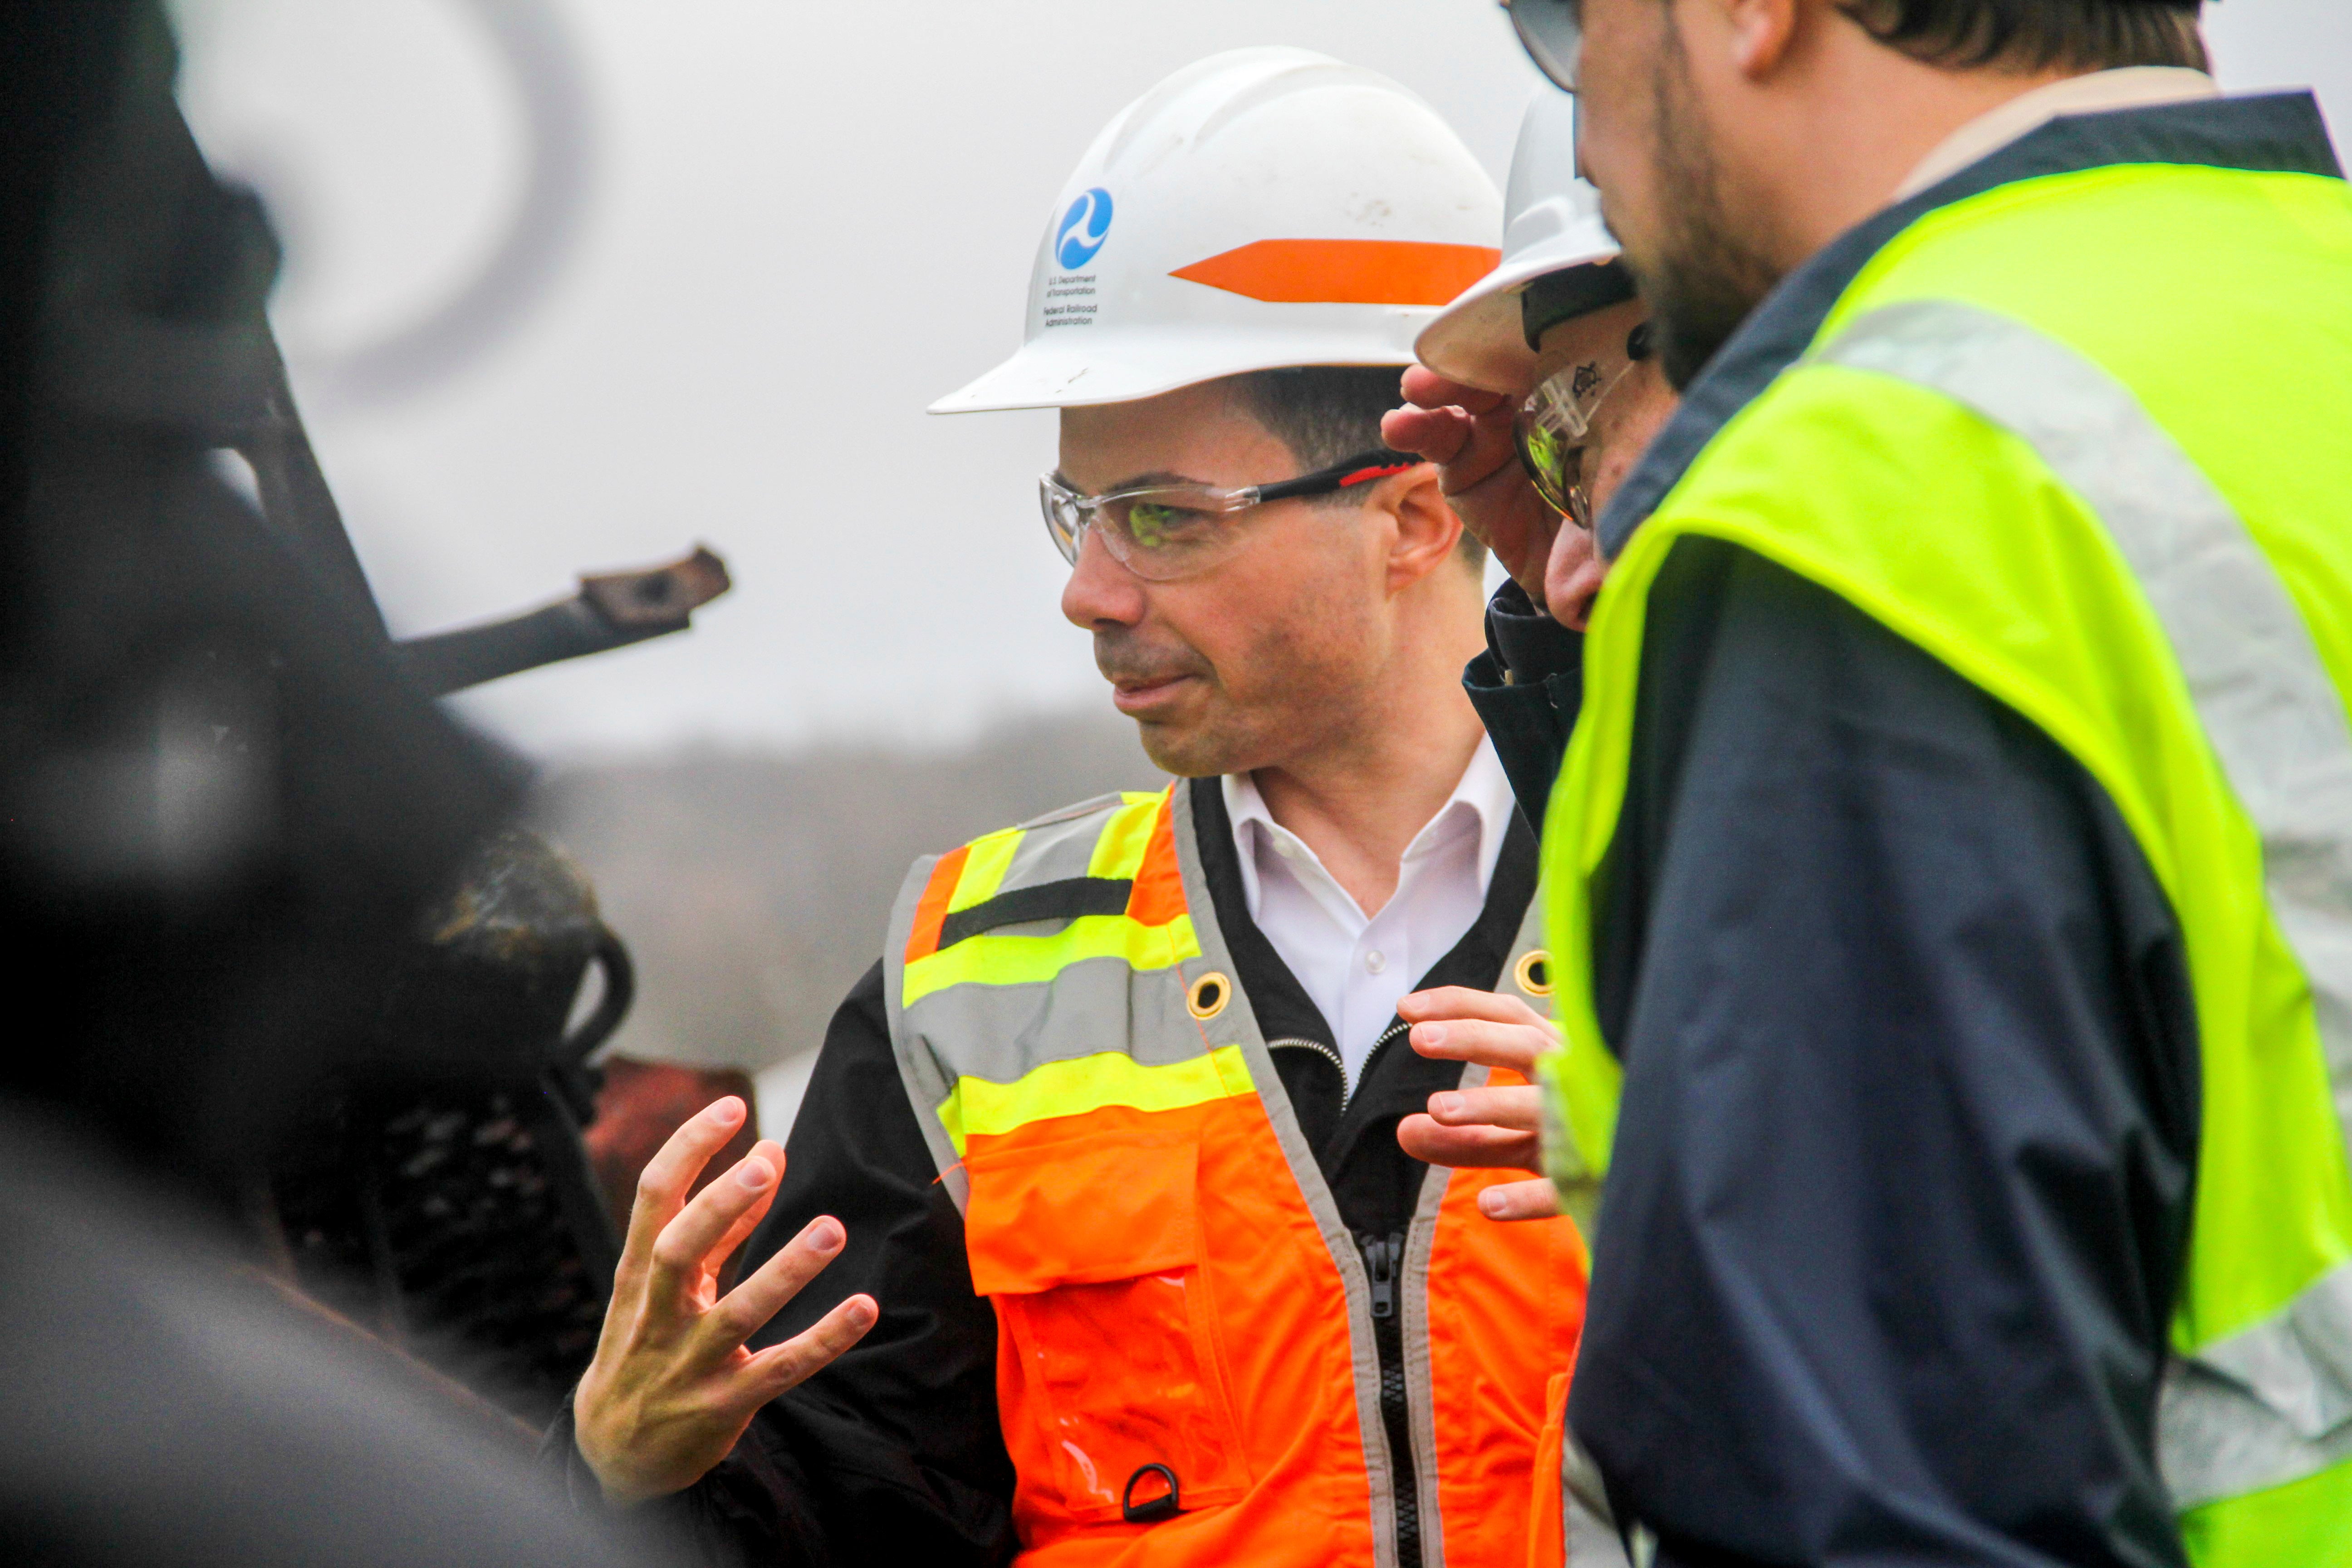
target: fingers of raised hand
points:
(1444, 1001)
(810, 1352)
(1439, 434)
(749, 1220)
(1424, 388)
(759, 1298)
(1538, 1199)
(688, 1247)
(1512, 1048)
(1478, 1147)
(1516, 1107)
(1483, 472)
(663, 1185)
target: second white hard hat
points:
(1551, 223)
(1259, 209)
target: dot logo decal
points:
(1083, 229)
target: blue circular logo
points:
(1083, 229)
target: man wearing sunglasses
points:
(1110, 1132)
(1952, 868)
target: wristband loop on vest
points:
(1205, 1000)
(1533, 972)
(1151, 1510)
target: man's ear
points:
(1427, 532)
(1760, 32)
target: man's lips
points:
(1134, 694)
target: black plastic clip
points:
(1152, 1511)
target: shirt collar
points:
(1481, 799)
(2127, 87)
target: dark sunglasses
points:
(1552, 32)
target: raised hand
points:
(1495, 1127)
(672, 1387)
(1467, 432)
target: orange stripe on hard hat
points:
(1345, 271)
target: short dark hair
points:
(2036, 35)
(1327, 414)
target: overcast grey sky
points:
(804, 221)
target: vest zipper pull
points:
(1381, 1255)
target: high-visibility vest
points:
(1172, 1283)
(2087, 440)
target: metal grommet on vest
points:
(1533, 972)
(1151, 1510)
(1205, 1000)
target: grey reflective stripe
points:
(2266, 1405)
(1419, 1390)
(1420, 1239)
(1049, 852)
(927, 1080)
(2269, 1404)
(1002, 1032)
(1587, 1525)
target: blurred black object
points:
(223, 804)
(170, 1412)
(439, 1194)
(610, 611)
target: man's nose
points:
(1100, 591)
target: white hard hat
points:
(1259, 209)
(1552, 223)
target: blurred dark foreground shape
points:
(231, 823)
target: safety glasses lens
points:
(1162, 535)
(1551, 464)
(1551, 428)
(1065, 521)
(1552, 32)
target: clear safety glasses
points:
(1552, 32)
(1554, 426)
(1163, 533)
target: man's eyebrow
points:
(1153, 480)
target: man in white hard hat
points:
(1110, 1130)
(1536, 393)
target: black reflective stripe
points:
(2272, 133)
(1064, 901)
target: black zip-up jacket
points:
(893, 1454)
(1900, 1195)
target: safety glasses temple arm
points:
(1361, 469)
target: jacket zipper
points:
(1384, 1268)
(1347, 1090)
(1383, 1265)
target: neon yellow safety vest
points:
(2087, 440)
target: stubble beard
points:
(1703, 277)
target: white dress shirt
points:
(1355, 967)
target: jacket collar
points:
(2269, 134)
